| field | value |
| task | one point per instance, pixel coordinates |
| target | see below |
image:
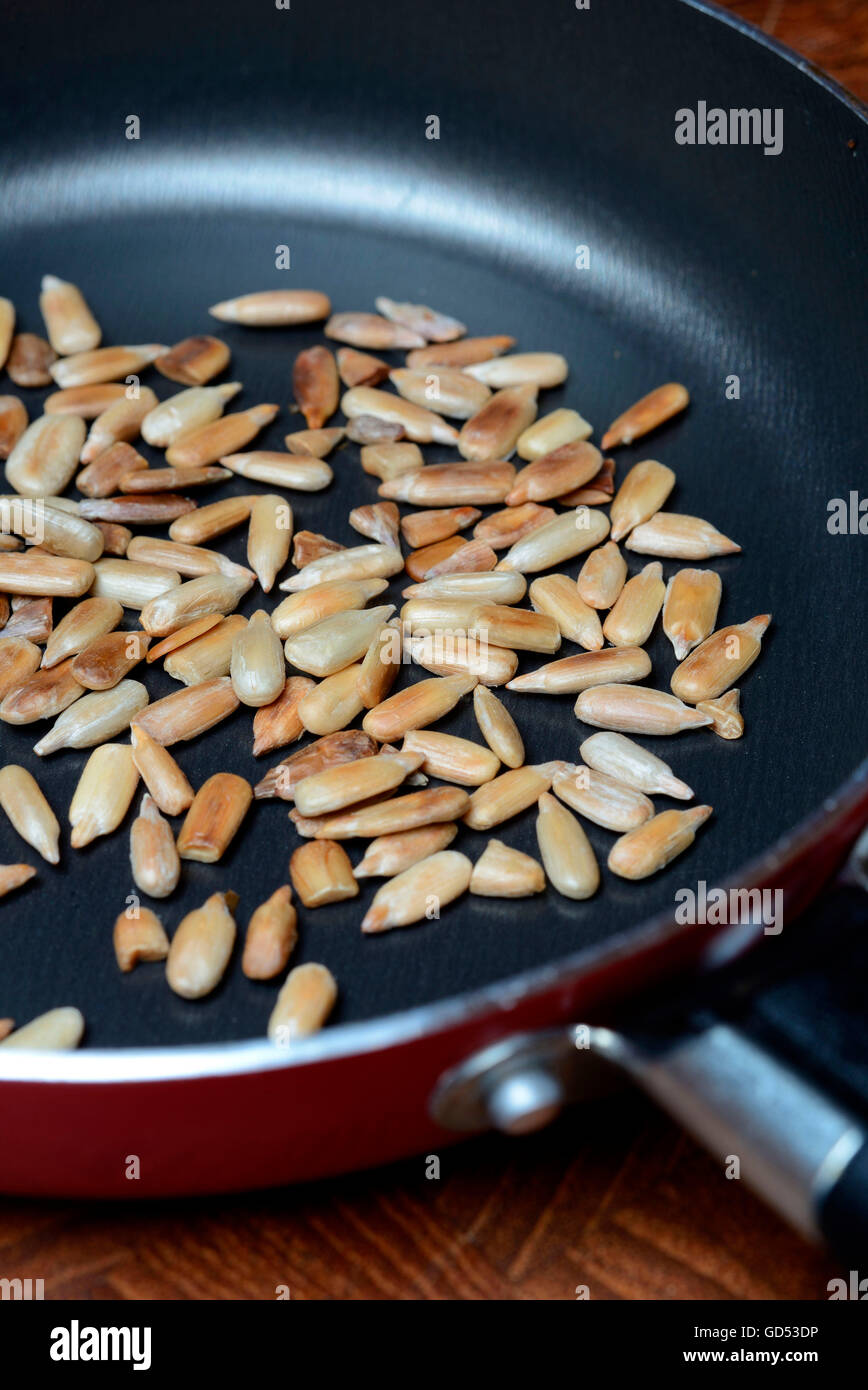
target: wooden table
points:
(612, 1197)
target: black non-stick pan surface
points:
(306, 128)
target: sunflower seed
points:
(503, 587)
(115, 539)
(160, 773)
(187, 713)
(501, 625)
(602, 799)
(45, 694)
(6, 1024)
(7, 328)
(498, 727)
(452, 392)
(70, 325)
(558, 541)
(360, 369)
(502, 872)
(625, 761)
(182, 415)
(419, 892)
(678, 537)
(103, 477)
(373, 429)
(189, 560)
(210, 825)
(304, 1003)
(207, 656)
(273, 308)
(19, 658)
(45, 575)
(381, 664)
(46, 456)
(494, 431)
(30, 814)
(651, 411)
(119, 422)
(308, 546)
(459, 354)
(321, 873)
(488, 664)
(507, 796)
(566, 851)
(650, 847)
(379, 522)
(153, 856)
(256, 666)
(139, 938)
(30, 359)
(315, 385)
(355, 563)
(271, 936)
(62, 532)
(278, 724)
(426, 528)
(551, 475)
(389, 460)
(636, 709)
(596, 493)
(202, 946)
(151, 509)
(538, 369)
(642, 493)
(471, 557)
(314, 443)
(635, 611)
(194, 361)
(337, 641)
(727, 720)
(505, 528)
(108, 659)
(14, 876)
(310, 606)
(575, 673)
(344, 746)
(32, 618)
(371, 331)
(332, 704)
(420, 562)
(104, 364)
(59, 1030)
(432, 325)
(558, 597)
(224, 436)
(417, 706)
(551, 432)
(268, 538)
(419, 424)
(720, 661)
(185, 634)
(103, 793)
(602, 576)
(94, 718)
(389, 855)
(164, 479)
(690, 608)
(86, 401)
(390, 817)
(294, 471)
(13, 423)
(131, 583)
(452, 759)
(210, 593)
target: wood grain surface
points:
(614, 1198)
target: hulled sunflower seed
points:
(321, 873)
(45, 575)
(214, 520)
(58, 1030)
(634, 614)
(115, 538)
(651, 411)
(30, 359)
(315, 385)
(727, 719)
(602, 576)
(86, 401)
(551, 475)
(227, 435)
(417, 706)
(70, 325)
(432, 325)
(332, 704)
(130, 582)
(452, 759)
(504, 587)
(108, 659)
(720, 661)
(381, 664)
(373, 429)
(449, 391)
(31, 618)
(139, 938)
(271, 936)
(419, 892)
(595, 493)
(256, 666)
(642, 493)
(207, 656)
(344, 746)
(30, 814)
(602, 799)
(315, 444)
(636, 709)
(505, 528)
(356, 562)
(379, 522)
(569, 861)
(500, 625)
(185, 634)
(202, 946)
(470, 557)
(649, 848)
(153, 856)
(151, 509)
(63, 532)
(459, 354)
(182, 415)
(104, 364)
(677, 537)
(420, 425)
(302, 610)
(308, 546)
(538, 369)
(189, 560)
(558, 541)
(507, 796)
(216, 813)
(119, 423)
(390, 459)
(335, 642)
(46, 456)
(304, 1003)
(268, 538)
(552, 432)
(573, 674)
(488, 664)
(398, 814)
(391, 854)
(625, 761)
(420, 562)
(165, 479)
(277, 724)
(690, 608)
(502, 872)
(103, 793)
(14, 876)
(426, 528)
(94, 718)
(160, 773)
(360, 369)
(103, 477)
(210, 593)
(294, 471)
(7, 328)
(494, 431)
(361, 330)
(13, 423)
(19, 658)
(273, 308)
(187, 713)
(558, 597)
(498, 727)
(194, 361)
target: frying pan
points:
(308, 128)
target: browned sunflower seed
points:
(602, 576)
(273, 308)
(119, 422)
(453, 656)
(315, 385)
(558, 541)
(6, 1024)
(373, 429)
(13, 876)
(551, 433)
(677, 537)
(104, 364)
(421, 529)
(380, 664)
(46, 456)
(138, 935)
(452, 759)
(30, 814)
(164, 479)
(256, 666)
(432, 325)
(551, 475)
(94, 718)
(379, 522)
(202, 946)
(470, 557)
(103, 794)
(469, 483)
(498, 727)
(391, 854)
(210, 593)
(421, 425)
(360, 369)
(57, 1030)
(557, 596)
(29, 360)
(361, 330)
(501, 625)
(603, 799)
(304, 1003)
(503, 586)
(42, 696)
(32, 618)
(636, 709)
(271, 936)
(420, 562)
(226, 435)
(185, 634)
(83, 624)
(7, 328)
(690, 608)
(312, 545)
(507, 795)
(538, 369)
(651, 411)
(103, 477)
(625, 761)
(211, 521)
(321, 873)
(130, 582)
(650, 847)
(505, 528)
(13, 423)
(294, 471)
(569, 861)
(419, 892)
(493, 432)
(417, 706)
(153, 856)
(86, 401)
(302, 610)
(207, 656)
(335, 642)
(187, 713)
(115, 538)
(189, 560)
(502, 872)
(575, 673)
(188, 411)
(444, 389)
(389, 817)
(642, 493)
(194, 361)
(459, 354)
(727, 719)
(69, 322)
(278, 724)
(596, 493)
(332, 704)
(160, 773)
(45, 575)
(314, 443)
(355, 563)
(150, 509)
(720, 661)
(344, 746)
(218, 808)
(389, 459)
(635, 611)
(107, 660)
